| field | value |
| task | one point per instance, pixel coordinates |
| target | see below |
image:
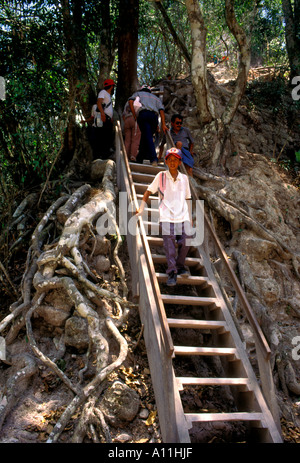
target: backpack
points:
(137, 105)
(162, 186)
(97, 120)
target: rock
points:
(248, 335)
(120, 404)
(233, 164)
(102, 264)
(124, 437)
(244, 139)
(270, 290)
(258, 248)
(76, 333)
(102, 246)
(144, 413)
(97, 169)
(52, 315)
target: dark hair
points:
(176, 116)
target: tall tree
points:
(108, 31)
(180, 43)
(217, 130)
(198, 63)
(127, 51)
(244, 44)
(291, 11)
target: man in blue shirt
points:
(183, 140)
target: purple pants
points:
(172, 232)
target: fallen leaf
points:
(151, 418)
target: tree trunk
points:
(292, 34)
(70, 61)
(217, 140)
(159, 6)
(127, 48)
(198, 64)
(84, 89)
(108, 43)
(244, 44)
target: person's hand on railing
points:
(140, 210)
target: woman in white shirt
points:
(105, 134)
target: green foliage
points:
(34, 65)
(271, 93)
(158, 55)
(33, 111)
(268, 37)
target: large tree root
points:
(27, 367)
(62, 267)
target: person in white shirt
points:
(174, 213)
(106, 132)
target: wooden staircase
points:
(195, 311)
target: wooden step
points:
(204, 282)
(152, 211)
(197, 324)
(146, 168)
(140, 187)
(151, 224)
(235, 416)
(150, 199)
(151, 228)
(189, 261)
(205, 351)
(190, 381)
(142, 177)
(155, 241)
(189, 300)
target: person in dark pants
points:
(147, 119)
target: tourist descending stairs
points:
(195, 351)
